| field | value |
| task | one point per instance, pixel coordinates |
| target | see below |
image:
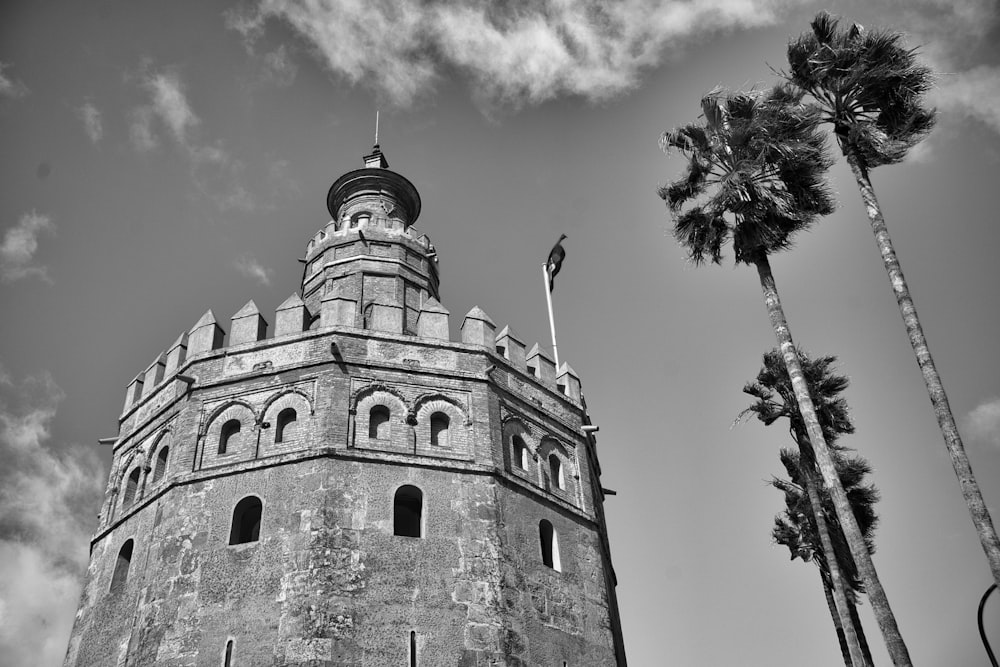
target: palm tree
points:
(755, 176)
(871, 88)
(807, 526)
(798, 528)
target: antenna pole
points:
(376, 127)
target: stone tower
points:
(357, 489)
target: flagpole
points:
(552, 321)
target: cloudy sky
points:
(160, 159)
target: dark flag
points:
(554, 263)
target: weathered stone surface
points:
(324, 427)
(291, 316)
(432, 321)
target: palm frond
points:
(868, 84)
(796, 526)
(755, 174)
(702, 233)
(713, 107)
(824, 27)
(688, 139)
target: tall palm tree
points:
(807, 527)
(871, 88)
(755, 176)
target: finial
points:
(376, 127)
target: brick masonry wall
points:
(328, 583)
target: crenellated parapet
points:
(248, 333)
(224, 396)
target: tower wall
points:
(328, 582)
(357, 490)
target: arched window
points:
(131, 486)
(407, 511)
(378, 423)
(360, 219)
(246, 521)
(550, 545)
(285, 428)
(229, 654)
(120, 575)
(556, 471)
(439, 429)
(229, 435)
(520, 452)
(161, 464)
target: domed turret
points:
(369, 256)
(374, 185)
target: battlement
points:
(356, 227)
(249, 331)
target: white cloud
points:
(48, 500)
(168, 105)
(141, 129)
(515, 53)
(974, 93)
(36, 607)
(10, 87)
(949, 26)
(216, 174)
(236, 198)
(171, 105)
(279, 68)
(92, 124)
(244, 21)
(983, 423)
(20, 243)
(251, 268)
(948, 34)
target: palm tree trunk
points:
(845, 650)
(842, 617)
(848, 523)
(860, 632)
(939, 399)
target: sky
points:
(160, 159)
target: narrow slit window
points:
(378, 423)
(229, 435)
(246, 521)
(285, 428)
(413, 648)
(131, 488)
(550, 545)
(120, 575)
(229, 654)
(407, 511)
(161, 464)
(439, 429)
(520, 453)
(556, 471)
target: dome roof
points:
(374, 181)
